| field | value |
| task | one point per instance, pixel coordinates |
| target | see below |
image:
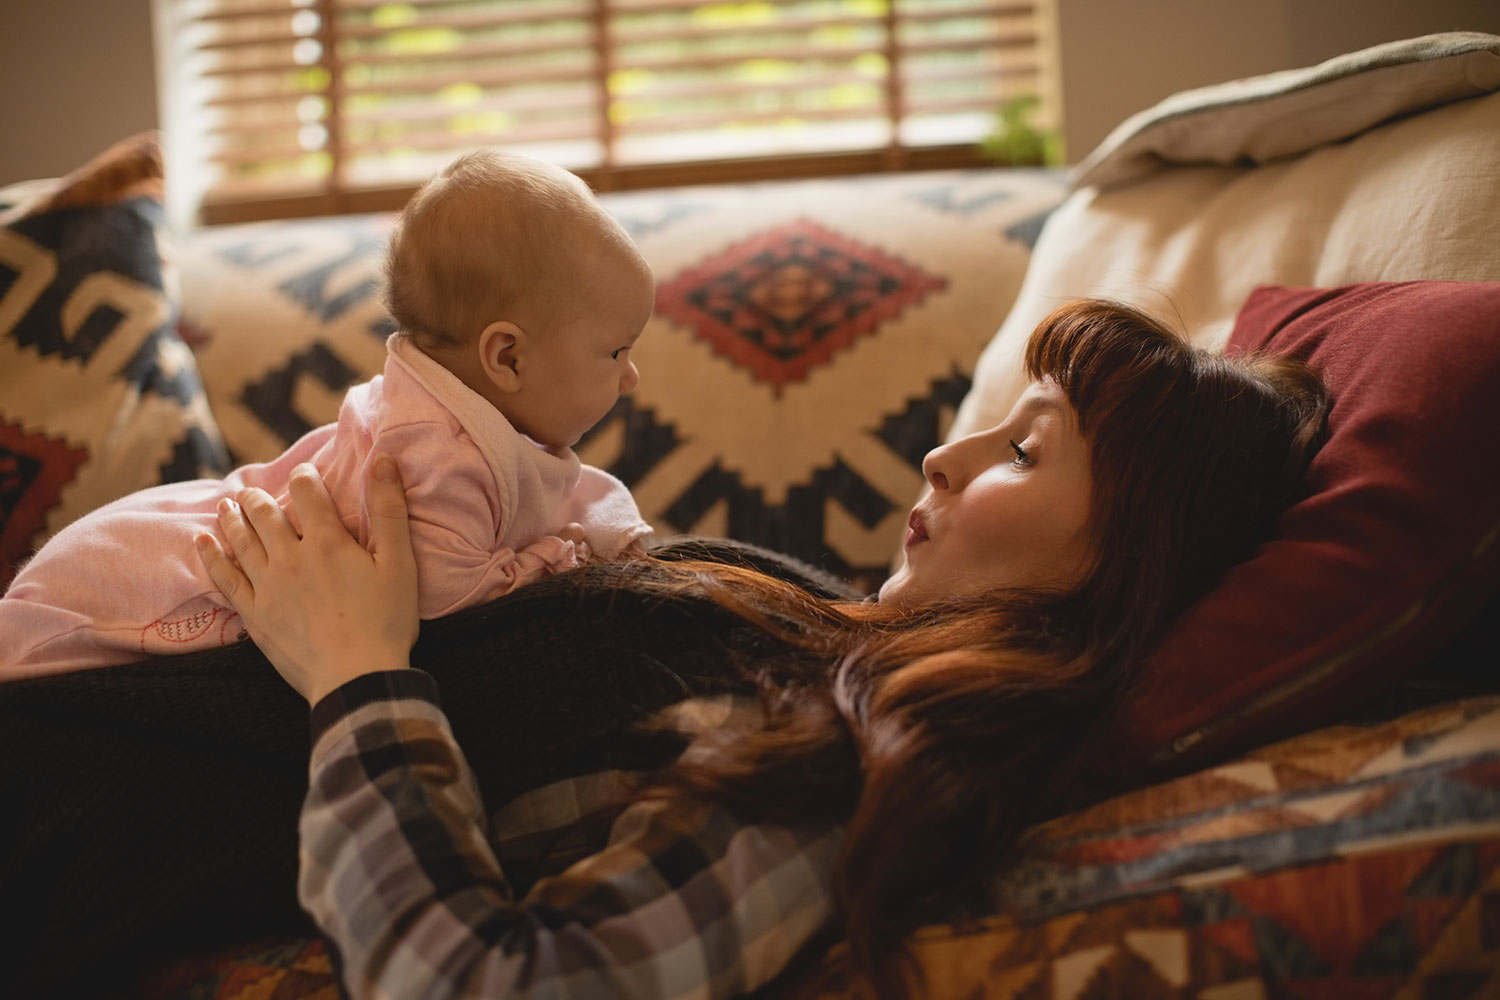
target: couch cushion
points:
(1262, 118)
(1390, 550)
(98, 395)
(810, 342)
(1415, 197)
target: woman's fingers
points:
(244, 542)
(266, 521)
(329, 610)
(314, 507)
(232, 583)
(390, 532)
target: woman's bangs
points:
(1108, 359)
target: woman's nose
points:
(937, 466)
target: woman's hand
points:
(322, 608)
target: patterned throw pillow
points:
(99, 396)
(810, 343)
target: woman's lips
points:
(916, 529)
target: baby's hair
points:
(489, 236)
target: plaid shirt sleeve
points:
(683, 901)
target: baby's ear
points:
(500, 346)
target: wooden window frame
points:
(337, 194)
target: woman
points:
(1049, 556)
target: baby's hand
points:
(573, 532)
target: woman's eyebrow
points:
(1055, 407)
(1047, 403)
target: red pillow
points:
(1388, 554)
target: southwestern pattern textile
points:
(780, 309)
(787, 300)
(98, 395)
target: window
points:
(288, 107)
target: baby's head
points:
(507, 271)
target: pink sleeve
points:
(457, 517)
(606, 510)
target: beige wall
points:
(1117, 57)
(77, 75)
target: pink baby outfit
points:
(485, 505)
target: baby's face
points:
(579, 366)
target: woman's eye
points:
(1021, 457)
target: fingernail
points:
(385, 468)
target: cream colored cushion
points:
(1263, 118)
(1151, 223)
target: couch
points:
(1301, 796)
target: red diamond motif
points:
(786, 300)
(33, 470)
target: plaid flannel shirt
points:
(682, 901)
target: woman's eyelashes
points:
(1022, 457)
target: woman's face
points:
(1009, 507)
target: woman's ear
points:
(500, 347)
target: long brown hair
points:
(935, 731)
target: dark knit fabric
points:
(151, 808)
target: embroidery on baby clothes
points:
(196, 629)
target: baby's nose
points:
(630, 379)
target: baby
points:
(518, 302)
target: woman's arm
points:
(684, 901)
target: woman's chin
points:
(894, 586)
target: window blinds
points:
(322, 98)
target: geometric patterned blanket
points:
(1352, 862)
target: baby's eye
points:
(615, 354)
(1021, 457)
